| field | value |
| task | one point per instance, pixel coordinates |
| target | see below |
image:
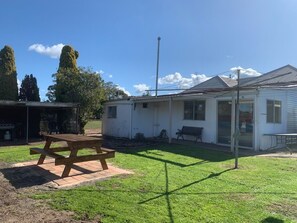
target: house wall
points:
(208, 125)
(121, 125)
(152, 119)
(265, 142)
(291, 111)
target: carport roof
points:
(38, 104)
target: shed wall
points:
(119, 126)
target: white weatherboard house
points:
(268, 104)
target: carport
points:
(27, 119)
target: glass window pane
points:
(199, 110)
(277, 111)
(112, 112)
(188, 110)
(270, 111)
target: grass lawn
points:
(175, 183)
(93, 124)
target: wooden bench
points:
(191, 131)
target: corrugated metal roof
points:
(284, 76)
(281, 76)
(229, 81)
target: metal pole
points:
(237, 133)
(233, 117)
(170, 120)
(27, 130)
(157, 73)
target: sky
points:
(118, 39)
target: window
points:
(112, 112)
(194, 110)
(273, 111)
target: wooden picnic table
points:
(74, 143)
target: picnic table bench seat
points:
(62, 160)
(45, 152)
(191, 131)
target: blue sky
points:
(199, 39)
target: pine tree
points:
(68, 60)
(29, 90)
(8, 75)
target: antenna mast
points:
(157, 73)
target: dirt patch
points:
(17, 206)
(17, 186)
(286, 209)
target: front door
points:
(246, 123)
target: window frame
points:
(194, 110)
(273, 111)
(112, 111)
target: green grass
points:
(174, 183)
(187, 184)
(12, 154)
(93, 124)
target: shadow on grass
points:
(179, 191)
(156, 153)
(204, 151)
(212, 175)
(167, 193)
(272, 220)
(26, 176)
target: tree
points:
(83, 87)
(111, 91)
(76, 85)
(80, 85)
(29, 90)
(68, 60)
(8, 75)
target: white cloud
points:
(124, 90)
(177, 80)
(53, 51)
(101, 72)
(182, 82)
(141, 88)
(249, 72)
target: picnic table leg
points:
(102, 161)
(68, 167)
(46, 147)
